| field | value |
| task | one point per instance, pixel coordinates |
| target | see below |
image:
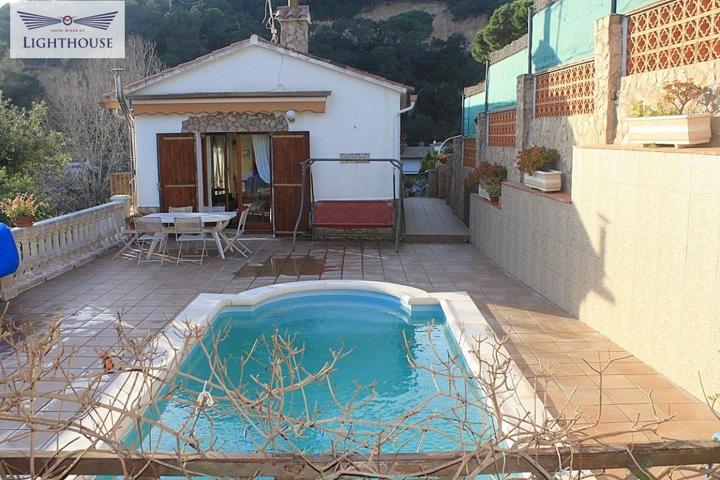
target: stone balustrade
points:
(56, 245)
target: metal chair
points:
(190, 231)
(149, 231)
(233, 243)
(212, 209)
(180, 209)
(126, 235)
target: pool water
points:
(377, 333)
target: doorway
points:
(177, 172)
(259, 171)
(238, 174)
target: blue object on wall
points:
(9, 258)
(473, 105)
(565, 32)
(502, 81)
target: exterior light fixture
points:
(290, 115)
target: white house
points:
(230, 128)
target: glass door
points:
(221, 171)
(255, 166)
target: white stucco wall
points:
(360, 117)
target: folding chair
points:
(233, 243)
(190, 231)
(149, 231)
(212, 209)
(180, 209)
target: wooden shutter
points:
(289, 150)
(177, 171)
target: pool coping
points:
(132, 390)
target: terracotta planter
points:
(495, 201)
(550, 181)
(24, 221)
(675, 130)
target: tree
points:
(401, 48)
(28, 148)
(97, 137)
(507, 23)
(27, 144)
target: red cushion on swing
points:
(348, 214)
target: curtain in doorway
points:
(261, 146)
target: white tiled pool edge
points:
(467, 323)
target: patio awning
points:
(226, 102)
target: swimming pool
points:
(372, 317)
(388, 349)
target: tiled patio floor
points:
(541, 335)
(432, 220)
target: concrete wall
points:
(561, 133)
(504, 156)
(360, 117)
(635, 255)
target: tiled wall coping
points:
(510, 49)
(639, 148)
(474, 89)
(541, 4)
(562, 197)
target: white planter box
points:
(550, 181)
(675, 130)
(483, 193)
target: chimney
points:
(294, 26)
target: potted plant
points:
(21, 210)
(130, 220)
(488, 177)
(494, 192)
(676, 120)
(537, 164)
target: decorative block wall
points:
(501, 128)
(566, 91)
(469, 152)
(678, 33)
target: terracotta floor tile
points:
(644, 412)
(621, 396)
(604, 414)
(690, 411)
(613, 381)
(571, 382)
(544, 339)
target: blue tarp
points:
(473, 105)
(565, 32)
(502, 83)
(9, 259)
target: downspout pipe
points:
(613, 7)
(400, 221)
(462, 113)
(122, 101)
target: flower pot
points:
(24, 221)
(550, 181)
(483, 193)
(693, 129)
(494, 200)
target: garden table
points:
(213, 222)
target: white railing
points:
(56, 245)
